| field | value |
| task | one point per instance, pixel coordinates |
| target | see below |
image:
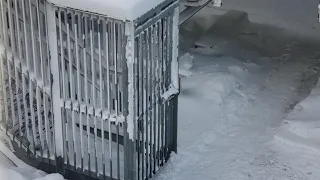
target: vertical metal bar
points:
(4, 91)
(129, 101)
(62, 56)
(154, 102)
(170, 39)
(33, 41)
(2, 58)
(46, 101)
(168, 79)
(86, 87)
(93, 71)
(143, 99)
(65, 75)
(56, 96)
(14, 62)
(44, 93)
(101, 27)
(158, 90)
(147, 102)
(109, 93)
(47, 126)
(79, 86)
(10, 17)
(175, 76)
(71, 83)
(133, 91)
(73, 89)
(25, 34)
(162, 82)
(4, 25)
(115, 28)
(140, 97)
(105, 50)
(24, 89)
(33, 123)
(13, 117)
(155, 70)
(40, 127)
(25, 105)
(165, 85)
(16, 71)
(11, 97)
(76, 102)
(150, 98)
(117, 57)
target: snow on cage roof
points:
(117, 9)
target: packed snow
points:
(118, 9)
(302, 126)
(12, 168)
(238, 90)
(185, 64)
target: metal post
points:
(56, 96)
(175, 75)
(129, 108)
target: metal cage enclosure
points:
(86, 94)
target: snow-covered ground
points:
(238, 112)
(299, 16)
(302, 125)
(234, 98)
(12, 168)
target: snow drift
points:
(185, 64)
(302, 126)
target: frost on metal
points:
(118, 9)
(130, 63)
(86, 90)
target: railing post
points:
(129, 108)
(175, 76)
(55, 88)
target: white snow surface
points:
(233, 104)
(228, 115)
(12, 168)
(185, 64)
(118, 9)
(302, 126)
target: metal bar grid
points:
(25, 69)
(93, 86)
(89, 92)
(153, 80)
